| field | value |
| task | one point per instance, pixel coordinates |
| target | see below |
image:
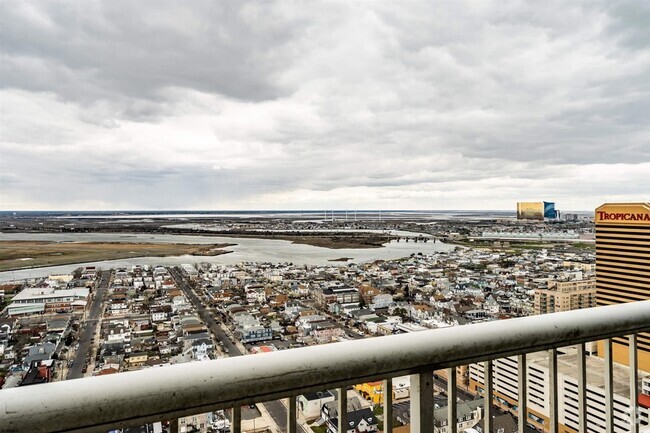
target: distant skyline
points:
(323, 105)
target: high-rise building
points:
(538, 210)
(566, 295)
(623, 266)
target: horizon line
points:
(269, 210)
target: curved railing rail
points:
(134, 398)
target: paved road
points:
(460, 393)
(205, 315)
(90, 326)
(278, 412)
(350, 332)
(276, 409)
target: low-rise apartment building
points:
(566, 296)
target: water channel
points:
(245, 250)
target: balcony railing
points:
(166, 393)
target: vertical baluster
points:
(342, 409)
(388, 405)
(292, 425)
(609, 387)
(451, 400)
(489, 391)
(422, 403)
(634, 383)
(235, 423)
(523, 393)
(553, 403)
(582, 388)
(173, 426)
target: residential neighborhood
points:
(149, 316)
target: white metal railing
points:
(134, 398)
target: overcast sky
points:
(309, 105)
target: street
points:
(276, 409)
(278, 412)
(205, 315)
(460, 393)
(90, 327)
(349, 332)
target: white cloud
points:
(337, 105)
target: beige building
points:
(584, 267)
(530, 210)
(623, 266)
(538, 210)
(505, 380)
(566, 296)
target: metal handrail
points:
(154, 394)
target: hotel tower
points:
(623, 266)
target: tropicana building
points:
(623, 266)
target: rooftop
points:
(567, 364)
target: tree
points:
(362, 303)
(77, 273)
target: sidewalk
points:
(299, 418)
(230, 335)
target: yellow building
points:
(536, 210)
(623, 266)
(372, 391)
(530, 210)
(566, 296)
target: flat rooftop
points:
(567, 364)
(49, 293)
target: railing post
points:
(553, 400)
(422, 402)
(609, 387)
(489, 391)
(451, 400)
(523, 393)
(342, 409)
(388, 405)
(582, 388)
(634, 386)
(76, 405)
(235, 423)
(292, 424)
(173, 426)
